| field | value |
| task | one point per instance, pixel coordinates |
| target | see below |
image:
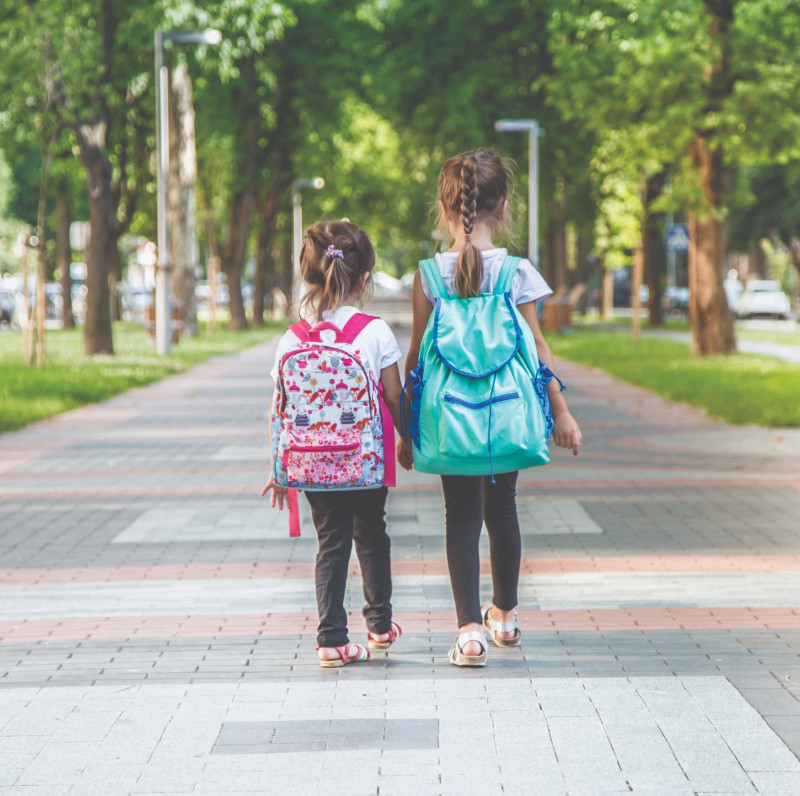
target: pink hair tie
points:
(333, 252)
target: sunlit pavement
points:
(157, 623)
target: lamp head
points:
(316, 183)
(208, 36)
(516, 125)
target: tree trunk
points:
(636, 285)
(709, 315)
(182, 197)
(758, 262)
(235, 251)
(655, 266)
(264, 277)
(114, 279)
(556, 240)
(608, 293)
(655, 255)
(582, 250)
(244, 197)
(287, 275)
(102, 242)
(64, 256)
(265, 257)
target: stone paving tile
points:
(605, 698)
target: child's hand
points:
(566, 433)
(405, 454)
(278, 495)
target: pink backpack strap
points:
(294, 513)
(351, 330)
(356, 325)
(301, 330)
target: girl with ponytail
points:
(336, 264)
(472, 208)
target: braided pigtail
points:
(469, 267)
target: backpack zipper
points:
(328, 347)
(453, 399)
(313, 448)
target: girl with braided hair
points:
(336, 264)
(472, 208)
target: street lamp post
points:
(297, 227)
(163, 309)
(534, 131)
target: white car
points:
(763, 297)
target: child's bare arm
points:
(566, 433)
(422, 309)
(278, 492)
(390, 381)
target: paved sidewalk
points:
(157, 623)
(785, 351)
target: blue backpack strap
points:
(434, 278)
(506, 275)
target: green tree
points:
(97, 65)
(689, 86)
(445, 79)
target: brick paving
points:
(157, 623)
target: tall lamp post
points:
(297, 226)
(531, 126)
(163, 313)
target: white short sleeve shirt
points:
(376, 341)
(527, 285)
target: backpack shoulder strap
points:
(356, 325)
(434, 278)
(506, 275)
(301, 330)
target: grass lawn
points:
(739, 388)
(69, 379)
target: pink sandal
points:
(346, 656)
(395, 631)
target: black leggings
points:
(469, 500)
(340, 519)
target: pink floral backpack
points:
(330, 427)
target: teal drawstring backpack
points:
(479, 402)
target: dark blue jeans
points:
(469, 501)
(340, 519)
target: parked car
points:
(763, 297)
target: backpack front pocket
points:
(497, 421)
(323, 460)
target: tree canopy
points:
(690, 106)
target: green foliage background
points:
(374, 95)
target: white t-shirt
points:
(375, 341)
(527, 284)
